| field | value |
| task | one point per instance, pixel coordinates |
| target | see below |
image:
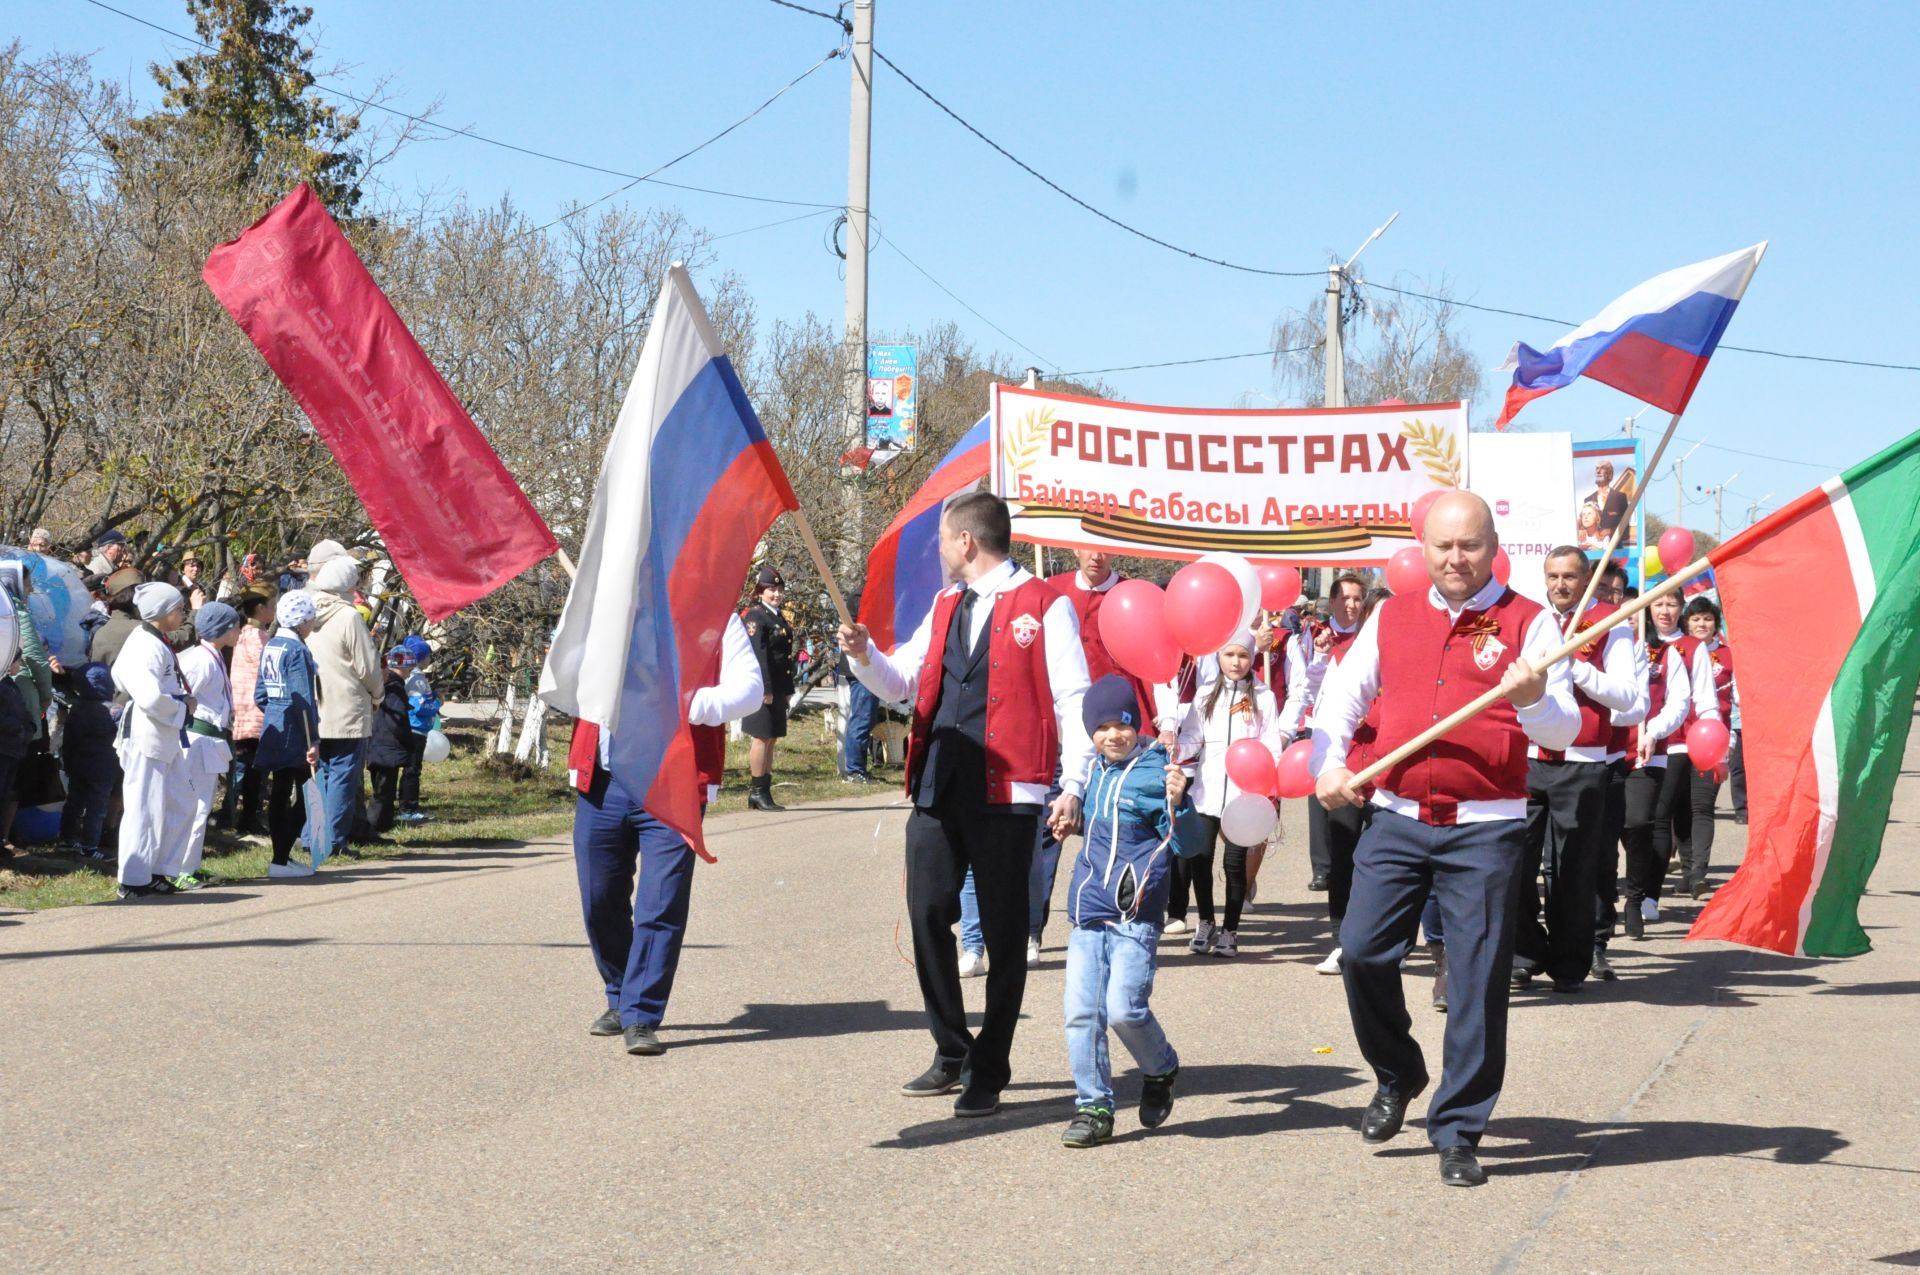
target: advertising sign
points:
(893, 396)
(1528, 480)
(1606, 473)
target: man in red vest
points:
(1450, 819)
(996, 674)
(1568, 823)
(635, 931)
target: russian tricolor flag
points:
(689, 486)
(903, 571)
(1652, 343)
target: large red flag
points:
(454, 521)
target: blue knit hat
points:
(215, 620)
(1111, 699)
(99, 681)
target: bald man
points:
(1450, 819)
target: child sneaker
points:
(1089, 1128)
(1202, 941)
(1156, 1099)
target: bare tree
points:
(1396, 346)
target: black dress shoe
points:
(1740, 816)
(1386, 1113)
(1566, 986)
(1602, 967)
(974, 1101)
(1633, 921)
(1460, 1167)
(608, 1024)
(1698, 889)
(641, 1040)
(1521, 976)
(1319, 883)
(934, 1080)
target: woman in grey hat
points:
(209, 747)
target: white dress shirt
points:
(1618, 684)
(1350, 687)
(896, 678)
(1673, 709)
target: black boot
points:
(761, 796)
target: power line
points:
(451, 132)
(1214, 358)
(838, 19)
(880, 237)
(1057, 188)
(784, 221)
(1783, 460)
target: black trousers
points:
(380, 810)
(1331, 838)
(1566, 820)
(1606, 877)
(1737, 774)
(410, 773)
(1233, 862)
(243, 787)
(286, 809)
(1653, 792)
(1705, 790)
(942, 845)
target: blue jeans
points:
(971, 939)
(635, 934)
(339, 771)
(860, 708)
(1109, 978)
(87, 799)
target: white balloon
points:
(1248, 819)
(1248, 577)
(438, 748)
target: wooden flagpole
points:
(820, 565)
(566, 563)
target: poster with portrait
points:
(1606, 474)
(893, 396)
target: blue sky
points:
(1543, 165)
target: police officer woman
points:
(772, 639)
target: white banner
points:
(1528, 479)
(1315, 487)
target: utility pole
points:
(859, 185)
(1753, 510)
(1680, 487)
(1719, 496)
(1336, 359)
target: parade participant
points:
(1332, 833)
(772, 639)
(1673, 815)
(1115, 899)
(1086, 588)
(1567, 828)
(157, 797)
(1612, 591)
(636, 873)
(1450, 818)
(1235, 707)
(209, 729)
(996, 674)
(289, 748)
(1702, 620)
(1656, 784)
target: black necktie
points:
(965, 621)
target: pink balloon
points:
(1502, 565)
(1391, 402)
(1407, 571)
(1420, 508)
(1706, 744)
(1279, 585)
(1250, 765)
(1676, 548)
(1203, 608)
(1133, 627)
(1294, 774)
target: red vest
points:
(1430, 666)
(709, 755)
(1596, 719)
(1023, 737)
(1689, 649)
(1658, 653)
(1086, 605)
(1722, 657)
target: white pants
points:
(207, 759)
(157, 797)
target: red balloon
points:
(1420, 508)
(1706, 744)
(1676, 548)
(1133, 627)
(1279, 585)
(1407, 571)
(1294, 774)
(1502, 565)
(1204, 607)
(1250, 765)
(1391, 402)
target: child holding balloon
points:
(1231, 737)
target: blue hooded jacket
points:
(1121, 872)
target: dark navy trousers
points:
(1472, 871)
(635, 933)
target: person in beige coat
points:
(350, 685)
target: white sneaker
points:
(1331, 965)
(1226, 943)
(973, 964)
(1649, 910)
(289, 870)
(1202, 941)
(1176, 925)
(1033, 954)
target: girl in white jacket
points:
(1236, 706)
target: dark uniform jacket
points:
(772, 639)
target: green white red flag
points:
(1825, 704)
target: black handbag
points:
(38, 781)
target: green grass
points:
(476, 800)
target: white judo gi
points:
(155, 790)
(209, 755)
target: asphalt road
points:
(386, 1068)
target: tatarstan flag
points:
(1824, 705)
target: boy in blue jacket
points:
(1116, 902)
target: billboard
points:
(893, 396)
(1607, 472)
(1528, 480)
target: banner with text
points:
(1312, 486)
(1528, 480)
